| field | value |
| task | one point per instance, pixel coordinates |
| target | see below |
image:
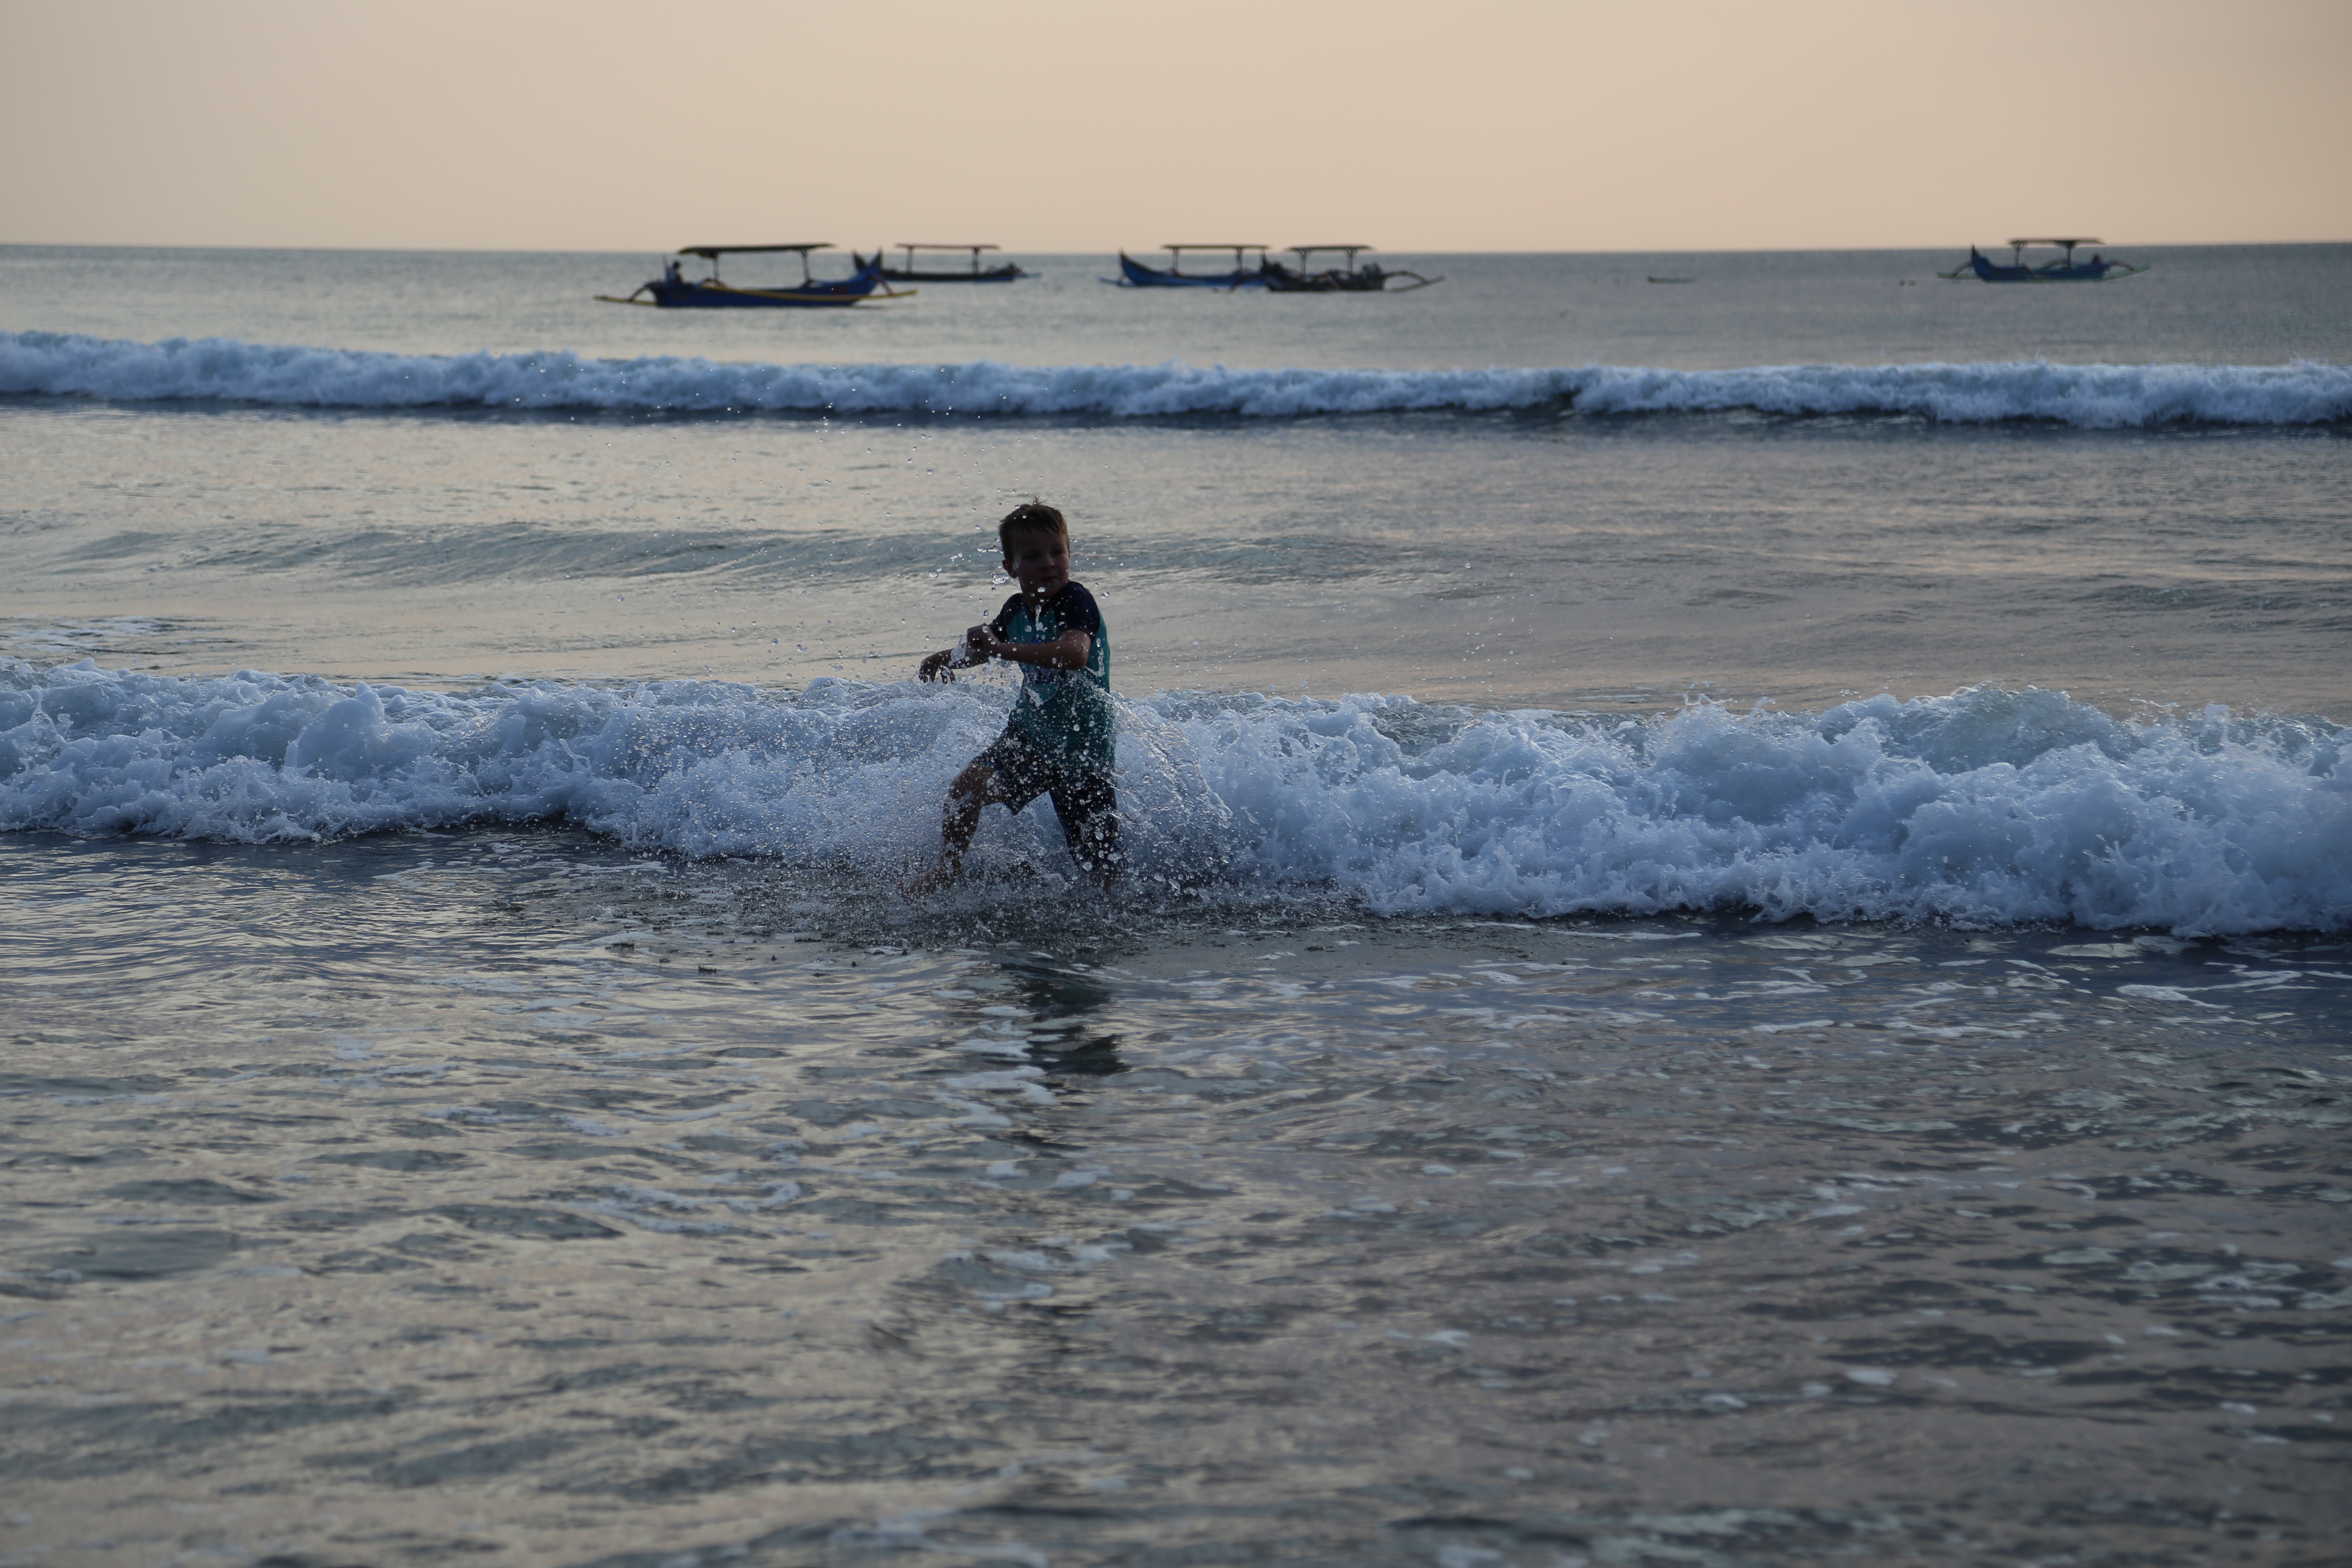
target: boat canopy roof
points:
(2069, 244)
(713, 252)
(1224, 246)
(1302, 248)
(906, 245)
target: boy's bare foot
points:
(923, 884)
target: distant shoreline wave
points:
(2089, 396)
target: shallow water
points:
(1798, 1009)
(514, 1195)
(1503, 559)
(1545, 483)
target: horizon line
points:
(1113, 250)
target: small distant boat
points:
(2059, 269)
(1673, 280)
(1346, 279)
(976, 273)
(1134, 274)
(672, 291)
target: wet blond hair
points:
(1031, 518)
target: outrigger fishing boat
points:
(1346, 279)
(910, 273)
(672, 291)
(1133, 274)
(2061, 269)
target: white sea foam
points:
(2093, 395)
(1984, 807)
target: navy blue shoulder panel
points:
(1077, 607)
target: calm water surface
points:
(513, 1195)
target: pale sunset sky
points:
(1050, 125)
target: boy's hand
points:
(980, 644)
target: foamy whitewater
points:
(2098, 397)
(1984, 807)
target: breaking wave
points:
(1985, 808)
(2100, 397)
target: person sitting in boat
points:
(672, 273)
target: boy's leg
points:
(975, 789)
(1000, 776)
(1087, 804)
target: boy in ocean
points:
(1060, 741)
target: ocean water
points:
(1739, 944)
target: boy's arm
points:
(972, 650)
(1067, 652)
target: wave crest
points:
(1986, 807)
(2093, 396)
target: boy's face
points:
(1040, 562)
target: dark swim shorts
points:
(1086, 800)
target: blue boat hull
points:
(1135, 275)
(2055, 273)
(683, 296)
(1010, 272)
(994, 274)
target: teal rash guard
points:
(1064, 713)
